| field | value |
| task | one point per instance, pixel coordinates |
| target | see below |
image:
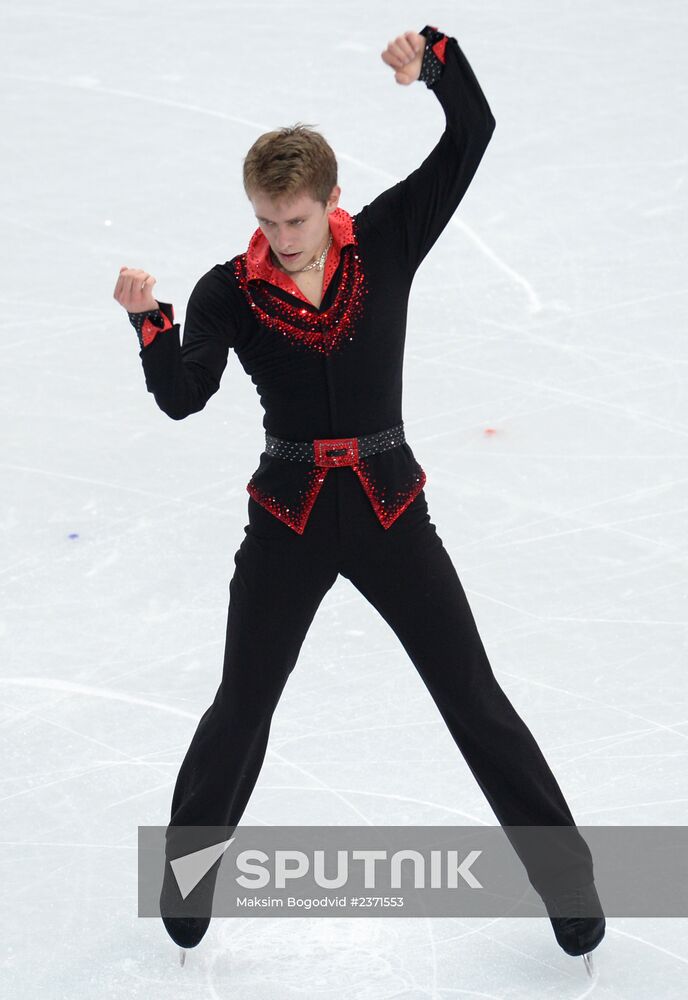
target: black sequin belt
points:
(335, 451)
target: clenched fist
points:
(134, 290)
(405, 55)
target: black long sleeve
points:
(413, 213)
(183, 377)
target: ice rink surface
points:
(545, 396)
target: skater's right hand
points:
(405, 56)
(134, 290)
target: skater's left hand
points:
(405, 56)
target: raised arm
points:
(183, 377)
(412, 213)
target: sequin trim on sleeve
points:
(434, 57)
(150, 323)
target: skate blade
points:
(182, 955)
(589, 968)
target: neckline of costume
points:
(259, 266)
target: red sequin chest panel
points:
(391, 480)
(302, 324)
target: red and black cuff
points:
(152, 322)
(434, 57)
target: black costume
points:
(333, 375)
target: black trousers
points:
(280, 579)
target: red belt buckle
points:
(336, 451)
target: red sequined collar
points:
(300, 322)
(260, 266)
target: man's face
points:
(300, 226)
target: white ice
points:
(551, 311)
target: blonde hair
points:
(289, 162)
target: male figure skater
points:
(315, 310)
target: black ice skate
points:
(187, 920)
(578, 921)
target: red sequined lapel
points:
(322, 330)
